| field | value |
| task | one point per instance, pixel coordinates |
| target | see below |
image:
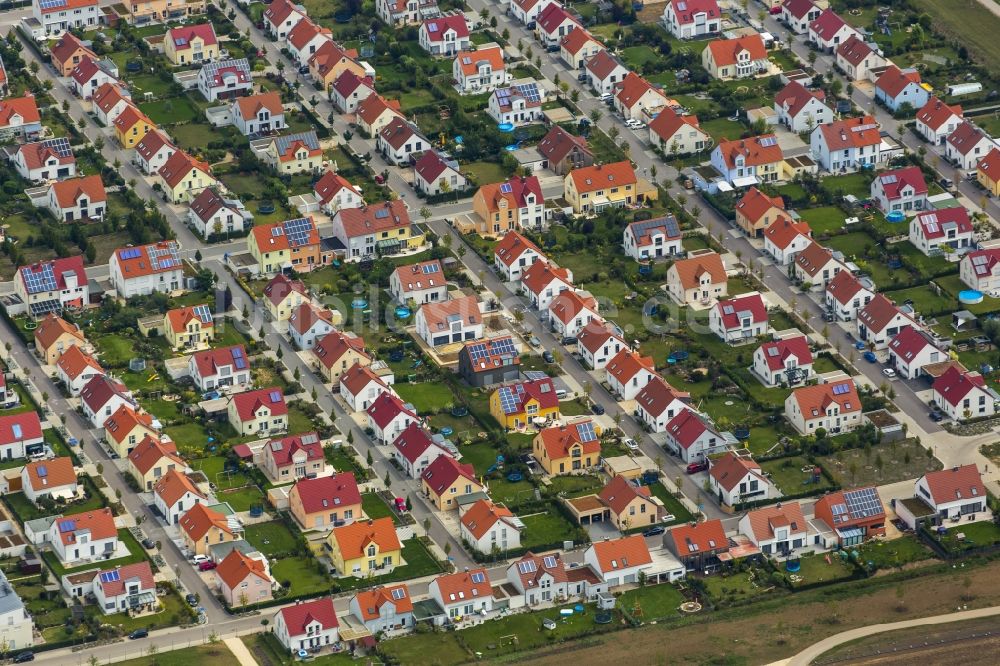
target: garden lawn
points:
(136, 554)
(217, 655)
(528, 629)
(787, 474)
(375, 507)
(419, 563)
(482, 173)
(415, 648)
(953, 284)
(673, 505)
(857, 183)
(928, 267)
(25, 510)
(266, 648)
(114, 350)
(194, 135)
(895, 553)
(926, 300)
(242, 499)
(548, 529)
(191, 438)
(573, 408)
(174, 611)
(213, 468)
(723, 128)
(576, 485)
(637, 56)
(824, 220)
(303, 574)
(738, 586)
(976, 535)
(814, 569)
(274, 539)
(656, 601)
(480, 455)
(426, 397)
(170, 111)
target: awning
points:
(745, 181)
(723, 186)
(600, 201)
(850, 533)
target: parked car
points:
(828, 317)
(597, 408)
(946, 184)
(654, 531)
(870, 357)
(192, 600)
(198, 559)
(860, 345)
(534, 341)
(207, 565)
(548, 357)
(630, 444)
(148, 544)
(936, 416)
(568, 340)
(24, 657)
(889, 372)
(582, 77)
(138, 633)
(696, 467)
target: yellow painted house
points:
(365, 547)
(283, 295)
(152, 459)
(445, 480)
(203, 527)
(124, 429)
(516, 405)
(191, 327)
(592, 189)
(988, 172)
(183, 177)
(191, 44)
(131, 126)
(568, 449)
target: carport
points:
(588, 509)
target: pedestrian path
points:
(240, 651)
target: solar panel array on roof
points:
(298, 231)
(772, 351)
(239, 361)
(60, 146)
(509, 398)
(41, 308)
(768, 141)
(505, 188)
(535, 375)
(241, 66)
(181, 41)
(275, 396)
(585, 431)
(863, 502)
(527, 567)
(841, 389)
(429, 268)
(308, 138)
(478, 577)
(162, 258)
(889, 179)
(381, 214)
(41, 280)
(129, 253)
(549, 561)
(110, 576)
(42, 471)
(728, 309)
(466, 60)
(203, 313)
(498, 346)
(398, 593)
(668, 223)
(67, 526)
(51, 4)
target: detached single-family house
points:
(54, 478)
(108, 102)
(784, 361)
(20, 435)
(739, 319)
(334, 192)
(540, 578)
(419, 283)
(415, 449)
(846, 145)
(444, 35)
(330, 61)
(677, 134)
(376, 230)
(153, 151)
(964, 395)
(967, 145)
(191, 44)
(516, 405)
(19, 117)
(553, 23)
(815, 265)
(213, 369)
(988, 172)
(619, 561)
(480, 70)
(294, 153)
(693, 437)
(349, 90)
(857, 58)
(800, 109)
(448, 322)
(337, 352)
(911, 350)
(631, 505)
(383, 608)
(777, 530)
(281, 16)
(897, 87)
(308, 625)
(636, 98)
(490, 361)
(127, 427)
(434, 175)
(293, 458)
(211, 214)
(490, 528)
(605, 72)
(102, 396)
(400, 141)
(692, 19)
(526, 11)
(834, 407)
(85, 537)
(463, 594)
(52, 286)
(980, 270)
(798, 14)
(655, 238)
(514, 255)
(174, 494)
(880, 321)
(283, 295)
(244, 580)
(698, 545)
(846, 295)
(515, 204)
(68, 52)
(572, 448)
(75, 368)
(54, 336)
(151, 459)
(738, 58)
(325, 501)
(735, 479)
(374, 112)
(783, 239)
(78, 199)
(309, 323)
(698, 281)
(756, 211)
(578, 47)
(570, 311)
(855, 515)
(258, 114)
(900, 190)
(365, 547)
(598, 342)
(190, 327)
(518, 104)
(305, 39)
(224, 79)
(444, 480)
(388, 416)
(125, 589)
(88, 76)
(183, 177)
(749, 161)
(51, 159)
(937, 120)
(258, 412)
(827, 31)
(954, 493)
(543, 282)
(564, 152)
(944, 230)
(658, 403)
(360, 386)
(131, 125)
(202, 527)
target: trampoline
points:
(514, 477)
(266, 207)
(679, 355)
(741, 433)
(602, 617)
(396, 356)
(459, 412)
(792, 566)
(446, 431)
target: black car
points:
(597, 409)
(548, 357)
(192, 600)
(139, 633)
(148, 543)
(936, 416)
(568, 340)
(654, 531)
(24, 657)
(946, 184)
(582, 77)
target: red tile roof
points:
(331, 347)
(879, 313)
(687, 10)
(299, 616)
(251, 105)
(174, 485)
(688, 426)
(54, 473)
(541, 274)
(184, 35)
(306, 316)
(851, 133)
(668, 122)
(359, 376)
(689, 271)
(304, 32)
(179, 165)
(67, 46)
(437, 27)
(25, 107)
(281, 286)
(371, 601)
(558, 143)
(386, 407)
(413, 441)
(179, 318)
(369, 220)
(249, 402)
(789, 514)
(783, 231)
(115, 586)
(576, 39)
(894, 80)
(200, 519)
(68, 192)
(955, 385)
(28, 424)
(726, 52)
(66, 6)
(569, 304)
(421, 275)
(603, 176)
(957, 483)
(327, 492)
(237, 567)
(827, 24)
(776, 352)
(794, 97)
(210, 361)
(444, 471)
(354, 539)
(603, 64)
(620, 492)
(512, 246)
(936, 113)
(559, 440)
(658, 394)
(469, 61)
(892, 182)
(430, 166)
(51, 328)
(754, 204)
(854, 50)
(439, 316)
(97, 524)
(618, 554)
(814, 400)
(909, 342)
(36, 154)
(813, 259)
(328, 55)
(374, 106)
(74, 362)
(753, 150)
(100, 390)
(938, 223)
(479, 518)
(626, 364)
(990, 165)
(520, 188)
(460, 587)
(107, 96)
(553, 16)
(729, 469)
(698, 538)
(282, 451)
(843, 287)
(150, 451)
(731, 309)
(329, 184)
(595, 334)
(799, 8)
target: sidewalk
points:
(240, 651)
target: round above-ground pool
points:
(511, 147)
(514, 477)
(791, 566)
(895, 216)
(402, 312)
(506, 127)
(446, 431)
(266, 207)
(970, 297)
(359, 304)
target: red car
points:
(694, 468)
(207, 565)
(775, 10)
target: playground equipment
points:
(459, 412)
(447, 430)
(514, 477)
(396, 355)
(256, 510)
(153, 377)
(741, 434)
(266, 207)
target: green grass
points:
(191, 437)
(25, 510)
(656, 601)
(857, 183)
(814, 569)
(174, 611)
(787, 474)
(970, 23)
(977, 535)
(824, 219)
(926, 301)
(419, 563)
(895, 553)
(573, 408)
(299, 421)
(273, 539)
(268, 651)
(170, 111)
(416, 648)
(114, 350)
(426, 397)
(303, 573)
(738, 586)
(723, 128)
(482, 173)
(953, 284)
(574, 486)
(635, 57)
(194, 135)
(241, 499)
(217, 655)
(480, 455)
(672, 504)
(375, 507)
(548, 529)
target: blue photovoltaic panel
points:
(863, 502)
(67, 526)
(110, 576)
(298, 231)
(308, 138)
(381, 213)
(429, 268)
(41, 280)
(534, 375)
(505, 188)
(549, 561)
(203, 313)
(275, 396)
(508, 400)
(16, 430)
(129, 253)
(841, 389)
(163, 258)
(42, 471)
(238, 360)
(398, 593)
(51, 4)
(478, 577)
(585, 431)
(59, 146)
(526, 567)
